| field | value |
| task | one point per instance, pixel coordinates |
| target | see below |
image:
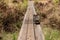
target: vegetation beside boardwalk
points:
(11, 17)
(49, 18)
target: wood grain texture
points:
(38, 33)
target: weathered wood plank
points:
(30, 33)
(23, 31)
(38, 33)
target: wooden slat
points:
(38, 33)
(30, 33)
(23, 31)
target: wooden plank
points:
(38, 33)
(23, 31)
(30, 33)
(25, 26)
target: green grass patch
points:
(10, 36)
(51, 34)
(55, 2)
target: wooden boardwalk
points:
(30, 31)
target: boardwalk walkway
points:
(30, 31)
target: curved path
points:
(30, 31)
